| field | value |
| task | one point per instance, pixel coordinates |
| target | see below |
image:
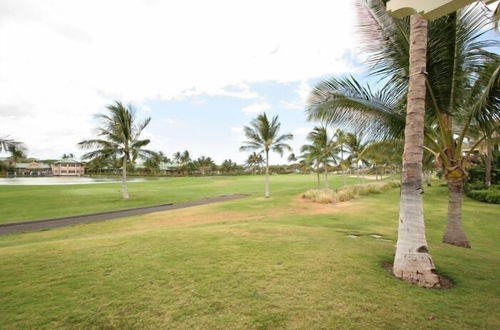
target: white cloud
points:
(168, 121)
(302, 131)
(300, 103)
(303, 91)
(58, 67)
(237, 129)
(256, 108)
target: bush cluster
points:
(347, 193)
(478, 191)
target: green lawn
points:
(21, 203)
(249, 264)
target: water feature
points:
(66, 180)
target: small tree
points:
(263, 135)
(204, 164)
(119, 137)
(322, 150)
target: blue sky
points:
(212, 125)
(200, 74)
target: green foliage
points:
(463, 81)
(477, 190)
(118, 136)
(478, 171)
(491, 195)
(263, 135)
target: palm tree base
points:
(418, 269)
(454, 233)
(457, 242)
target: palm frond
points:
(344, 102)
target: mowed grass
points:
(251, 264)
(21, 203)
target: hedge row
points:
(478, 191)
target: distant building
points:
(168, 168)
(32, 169)
(68, 167)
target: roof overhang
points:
(430, 9)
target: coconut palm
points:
(119, 137)
(17, 152)
(346, 103)
(383, 153)
(323, 149)
(204, 164)
(311, 158)
(354, 144)
(185, 157)
(496, 16)
(177, 157)
(228, 166)
(412, 261)
(154, 161)
(292, 158)
(263, 135)
(254, 161)
(9, 145)
(462, 85)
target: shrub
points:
(475, 185)
(491, 195)
(347, 193)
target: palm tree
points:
(496, 16)
(177, 157)
(185, 160)
(340, 137)
(311, 157)
(354, 145)
(292, 158)
(204, 164)
(263, 135)
(17, 152)
(322, 150)
(462, 86)
(185, 157)
(412, 261)
(9, 145)
(398, 54)
(154, 161)
(119, 137)
(228, 166)
(254, 161)
(383, 153)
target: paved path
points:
(10, 228)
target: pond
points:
(62, 180)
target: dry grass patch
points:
(347, 193)
(207, 214)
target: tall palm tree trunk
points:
(124, 178)
(413, 262)
(454, 233)
(487, 165)
(266, 194)
(326, 174)
(317, 173)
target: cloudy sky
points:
(201, 69)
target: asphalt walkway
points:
(18, 227)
